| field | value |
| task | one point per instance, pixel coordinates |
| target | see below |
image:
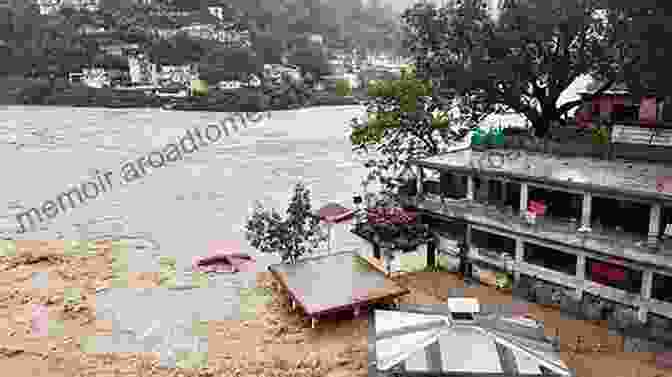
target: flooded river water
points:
(176, 210)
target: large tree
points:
(647, 26)
(311, 60)
(229, 64)
(524, 59)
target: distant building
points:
(49, 6)
(316, 38)
(183, 74)
(89, 5)
(89, 29)
(232, 38)
(141, 70)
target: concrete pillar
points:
(420, 173)
(518, 258)
(654, 225)
(484, 191)
(586, 210)
(580, 275)
(523, 198)
(470, 187)
(647, 281)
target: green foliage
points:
(7, 248)
(291, 237)
(72, 296)
(87, 344)
(310, 60)
(178, 50)
(252, 300)
(343, 88)
(522, 60)
(600, 135)
(405, 119)
(191, 360)
(229, 64)
(167, 271)
(56, 328)
(199, 88)
(644, 30)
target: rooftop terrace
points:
(616, 177)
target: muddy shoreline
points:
(273, 342)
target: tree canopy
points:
(291, 237)
(646, 25)
(522, 60)
(229, 64)
(311, 60)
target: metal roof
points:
(417, 342)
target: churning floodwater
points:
(176, 210)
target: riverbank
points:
(23, 91)
(274, 342)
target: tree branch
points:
(572, 104)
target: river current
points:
(179, 209)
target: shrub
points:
(600, 135)
(291, 237)
(343, 88)
(199, 88)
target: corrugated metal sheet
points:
(641, 135)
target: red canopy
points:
(223, 256)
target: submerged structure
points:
(463, 340)
(594, 231)
(310, 284)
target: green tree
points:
(268, 47)
(229, 64)
(178, 50)
(343, 88)
(523, 60)
(645, 57)
(404, 121)
(291, 237)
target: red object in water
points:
(334, 213)
(223, 257)
(664, 184)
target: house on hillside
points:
(88, 5)
(619, 105)
(180, 75)
(49, 6)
